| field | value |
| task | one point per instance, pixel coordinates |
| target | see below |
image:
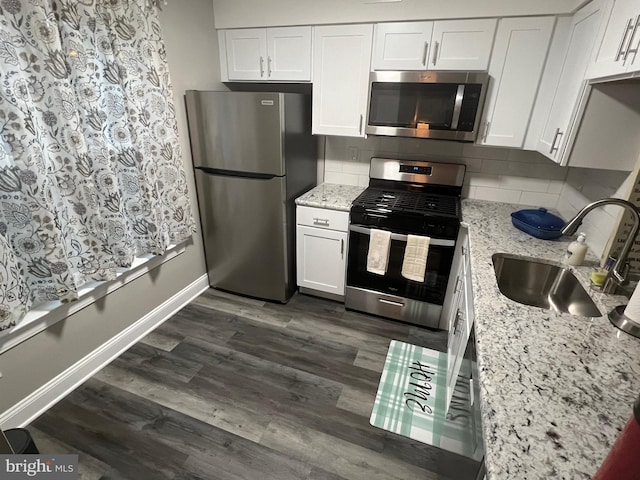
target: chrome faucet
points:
(618, 273)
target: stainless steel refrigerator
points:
(253, 154)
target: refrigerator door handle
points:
(235, 173)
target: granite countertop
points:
(556, 389)
(331, 196)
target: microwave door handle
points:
(403, 238)
(457, 107)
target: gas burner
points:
(387, 201)
(401, 202)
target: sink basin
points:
(542, 284)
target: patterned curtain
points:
(91, 171)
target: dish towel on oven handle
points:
(415, 258)
(378, 254)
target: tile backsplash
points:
(496, 174)
(585, 185)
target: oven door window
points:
(413, 105)
(432, 290)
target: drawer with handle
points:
(322, 218)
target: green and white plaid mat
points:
(412, 394)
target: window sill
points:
(46, 314)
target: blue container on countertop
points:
(538, 223)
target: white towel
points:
(415, 258)
(378, 255)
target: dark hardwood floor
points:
(235, 388)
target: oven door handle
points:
(403, 238)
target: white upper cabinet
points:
(289, 53)
(401, 46)
(267, 54)
(618, 40)
(462, 44)
(246, 53)
(567, 82)
(516, 66)
(341, 61)
(440, 45)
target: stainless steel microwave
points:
(426, 104)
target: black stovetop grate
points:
(407, 201)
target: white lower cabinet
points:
(460, 313)
(321, 249)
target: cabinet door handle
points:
(269, 66)
(342, 247)
(627, 27)
(424, 54)
(629, 49)
(458, 284)
(435, 52)
(557, 136)
(486, 131)
(261, 66)
(321, 221)
(471, 392)
(360, 127)
(457, 321)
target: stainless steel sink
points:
(542, 284)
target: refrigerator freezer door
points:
(244, 232)
(237, 131)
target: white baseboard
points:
(34, 405)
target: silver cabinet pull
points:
(435, 52)
(471, 394)
(360, 127)
(633, 34)
(389, 302)
(457, 321)
(342, 247)
(486, 131)
(424, 54)
(556, 137)
(321, 221)
(269, 66)
(458, 284)
(261, 66)
(627, 27)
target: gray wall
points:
(192, 51)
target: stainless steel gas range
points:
(404, 197)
